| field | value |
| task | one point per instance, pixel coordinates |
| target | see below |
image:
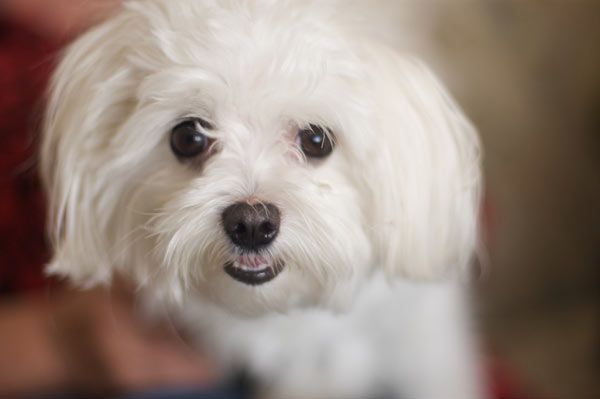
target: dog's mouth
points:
(254, 269)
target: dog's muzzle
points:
(252, 228)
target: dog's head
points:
(263, 155)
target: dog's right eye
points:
(187, 139)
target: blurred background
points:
(529, 77)
(527, 73)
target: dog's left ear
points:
(426, 177)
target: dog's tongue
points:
(252, 261)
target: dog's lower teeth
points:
(254, 263)
(246, 267)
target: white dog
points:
(283, 179)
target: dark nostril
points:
(267, 228)
(251, 226)
(240, 228)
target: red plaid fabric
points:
(25, 63)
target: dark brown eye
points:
(187, 139)
(316, 141)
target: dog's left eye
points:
(187, 139)
(316, 141)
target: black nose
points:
(251, 226)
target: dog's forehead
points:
(253, 43)
(270, 67)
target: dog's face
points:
(261, 155)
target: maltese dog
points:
(296, 190)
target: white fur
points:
(397, 198)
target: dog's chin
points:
(253, 287)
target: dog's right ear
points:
(89, 97)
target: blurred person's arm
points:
(91, 342)
(29, 360)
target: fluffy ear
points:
(426, 178)
(88, 98)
